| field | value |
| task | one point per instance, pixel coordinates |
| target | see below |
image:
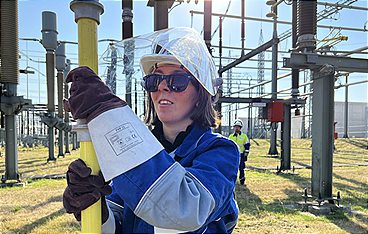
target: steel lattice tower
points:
(260, 88)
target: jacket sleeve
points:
(247, 147)
(168, 195)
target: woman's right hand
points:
(84, 189)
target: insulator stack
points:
(306, 24)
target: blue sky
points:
(110, 28)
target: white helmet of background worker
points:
(183, 46)
(238, 122)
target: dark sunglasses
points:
(176, 82)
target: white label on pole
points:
(259, 104)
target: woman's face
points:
(173, 107)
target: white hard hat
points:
(183, 46)
(238, 122)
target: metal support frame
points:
(285, 162)
(10, 106)
(322, 131)
(315, 61)
(249, 55)
(255, 101)
(323, 68)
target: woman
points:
(188, 186)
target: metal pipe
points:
(239, 48)
(50, 73)
(220, 42)
(338, 5)
(346, 109)
(354, 51)
(60, 79)
(273, 138)
(354, 83)
(60, 66)
(66, 114)
(242, 26)
(262, 83)
(280, 22)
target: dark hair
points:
(203, 114)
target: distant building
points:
(357, 119)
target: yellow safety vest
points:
(240, 139)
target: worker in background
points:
(179, 178)
(242, 140)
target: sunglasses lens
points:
(151, 82)
(176, 83)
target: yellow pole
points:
(87, 56)
(87, 17)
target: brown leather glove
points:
(84, 189)
(89, 96)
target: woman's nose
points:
(162, 86)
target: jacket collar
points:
(191, 140)
(236, 134)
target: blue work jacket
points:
(194, 194)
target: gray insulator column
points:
(294, 37)
(49, 42)
(11, 146)
(306, 24)
(66, 114)
(60, 66)
(9, 45)
(9, 77)
(273, 137)
(50, 74)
